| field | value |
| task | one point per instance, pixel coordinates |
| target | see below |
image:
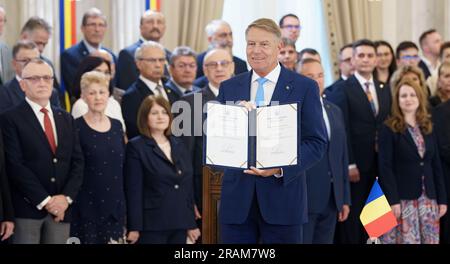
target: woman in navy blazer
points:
(410, 169)
(158, 180)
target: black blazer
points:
(425, 69)
(6, 206)
(158, 193)
(194, 141)
(441, 117)
(401, 167)
(131, 101)
(361, 124)
(33, 170)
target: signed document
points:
(227, 136)
(263, 138)
(276, 136)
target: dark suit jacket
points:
(331, 88)
(13, 96)
(6, 206)
(127, 72)
(71, 59)
(175, 88)
(194, 141)
(282, 201)
(240, 66)
(131, 101)
(441, 117)
(158, 192)
(425, 69)
(362, 126)
(33, 170)
(401, 167)
(331, 169)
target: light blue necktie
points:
(259, 99)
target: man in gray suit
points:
(6, 72)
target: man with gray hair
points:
(6, 71)
(219, 36)
(182, 68)
(37, 30)
(152, 27)
(150, 59)
(93, 27)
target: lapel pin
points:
(381, 86)
(287, 87)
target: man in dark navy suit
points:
(327, 181)
(12, 94)
(44, 161)
(346, 68)
(219, 36)
(270, 205)
(365, 106)
(183, 66)
(93, 27)
(150, 59)
(152, 27)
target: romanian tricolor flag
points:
(68, 34)
(153, 5)
(377, 216)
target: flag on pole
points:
(68, 34)
(377, 216)
(153, 5)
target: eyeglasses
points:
(37, 79)
(95, 25)
(215, 64)
(292, 27)
(153, 60)
(24, 61)
(408, 57)
(183, 66)
(224, 35)
(347, 60)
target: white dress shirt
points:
(326, 119)
(214, 89)
(152, 86)
(269, 86)
(91, 48)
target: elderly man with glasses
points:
(183, 67)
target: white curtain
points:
(313, 33)
(125, 18)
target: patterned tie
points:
(49, 130)
(370, 98)
(259, 99)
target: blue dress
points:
(99, 208)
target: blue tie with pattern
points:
(259, 99)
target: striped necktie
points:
(370, 98)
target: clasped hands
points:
(57, 206)
(254, 171)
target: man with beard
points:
(152, 26)
(219, 36)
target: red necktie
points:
(49, 130)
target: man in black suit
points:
(327, 181)
(365, 106)
(219, 36)
(182, 68)
(6, 206)
(150, 59)
(93, 27)
(44, 160)
(218, 66)
(430, 42)
(152, 27)
(12, 95)
(346, 68)
(441, 117)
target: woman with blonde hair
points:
(410, 169)
(412, 72)
(443, 85)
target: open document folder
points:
(264, 138)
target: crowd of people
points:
(113, 170)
